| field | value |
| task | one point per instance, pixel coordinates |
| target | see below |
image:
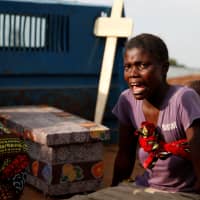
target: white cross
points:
(110, 27)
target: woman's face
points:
(143, 74)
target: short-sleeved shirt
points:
(178, 111)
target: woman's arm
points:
(193, 136)
(126, 155)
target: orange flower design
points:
(98, 169)
(35, 168)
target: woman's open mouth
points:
(137, 88)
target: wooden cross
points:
(111, 27)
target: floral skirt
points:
(13, 163)
(13, 187)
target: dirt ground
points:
(109, 154)
(184, 79)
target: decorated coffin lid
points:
(51, 126)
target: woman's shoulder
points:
(127, 96)
(125, 92)
(181, 92)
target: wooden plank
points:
(109, 27)
(107, 65)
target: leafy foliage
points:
(173, 62)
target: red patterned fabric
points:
(150, 141)
(19, 164)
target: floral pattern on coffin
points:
(98, 170)
(71, 173)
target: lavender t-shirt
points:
(179, 109)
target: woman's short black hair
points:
(151, 44)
